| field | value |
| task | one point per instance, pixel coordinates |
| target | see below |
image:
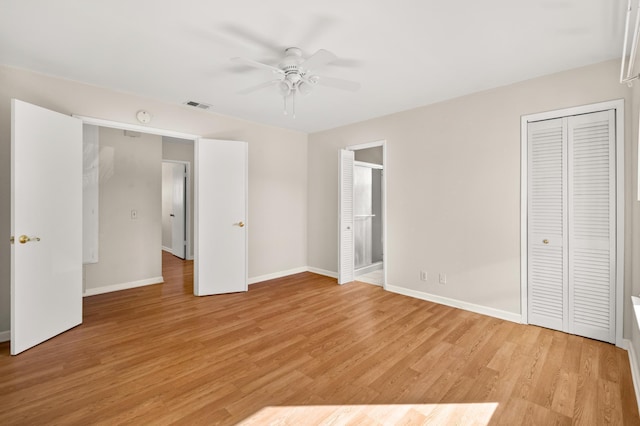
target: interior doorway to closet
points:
(362, 214)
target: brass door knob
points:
(241, 224)
(23, 239)
(545, 241)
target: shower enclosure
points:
(367, 188)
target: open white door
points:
(178, 228)
(46, 223)
(220, 244)
(345, 267)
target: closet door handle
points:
(545, 241)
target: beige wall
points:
(369, 155)
(181, 150)
(277, 164)
(130, 179)
(453, 185)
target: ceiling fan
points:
(296, 75)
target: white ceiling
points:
(405, 53)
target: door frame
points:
(618, 106)
(187, 207)
(385, 252)
(152, 131)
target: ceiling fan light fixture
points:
(304, 88)
(285, 87)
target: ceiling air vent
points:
(200, 105)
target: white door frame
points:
(618, 106)
(187, 208)
(385, 252)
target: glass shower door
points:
(363, 216)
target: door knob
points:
(241, 224)
(24, 239)
(172, 215)
(545, 241)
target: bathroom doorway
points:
(362, 212)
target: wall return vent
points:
(200, 105)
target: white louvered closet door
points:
(346, 255)
(547, 245)
(571, 224)
(592, 231)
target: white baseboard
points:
(123, 286)
(5, 336)
(479, 309)
(167, 249)
(275, 275)
(635, 374)
(322, 272)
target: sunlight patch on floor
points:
(385, 414)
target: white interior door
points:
(572, 224)
(346, 255)
(178, 228)
(547, 235)
(46, 222)
(221, 182)
(592, 225)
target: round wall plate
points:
(143, 116)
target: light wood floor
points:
(303, 350)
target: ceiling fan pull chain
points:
(284, 99)
(294, 104)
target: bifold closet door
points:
(592, 230)
(571, 224)
(547, 236)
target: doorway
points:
(141, 175)
(367, 224)
(362, 212)
(175, 207)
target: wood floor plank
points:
(303, 350)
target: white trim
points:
(324, 272)
(275, 275)
(135, 127)
(635, 374)
(167, 249)
(620, 209)
(524, 241)
(618, 106)
(385, 168)
(479, 309)
(188, 252)
(122, 286)
(5, 336)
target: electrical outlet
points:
(442, 278)
(423, 275)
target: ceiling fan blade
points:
(257, 64)
(253, 38)
(318, 59)
(338, 83)
(258, 87)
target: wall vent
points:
(200, 105)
